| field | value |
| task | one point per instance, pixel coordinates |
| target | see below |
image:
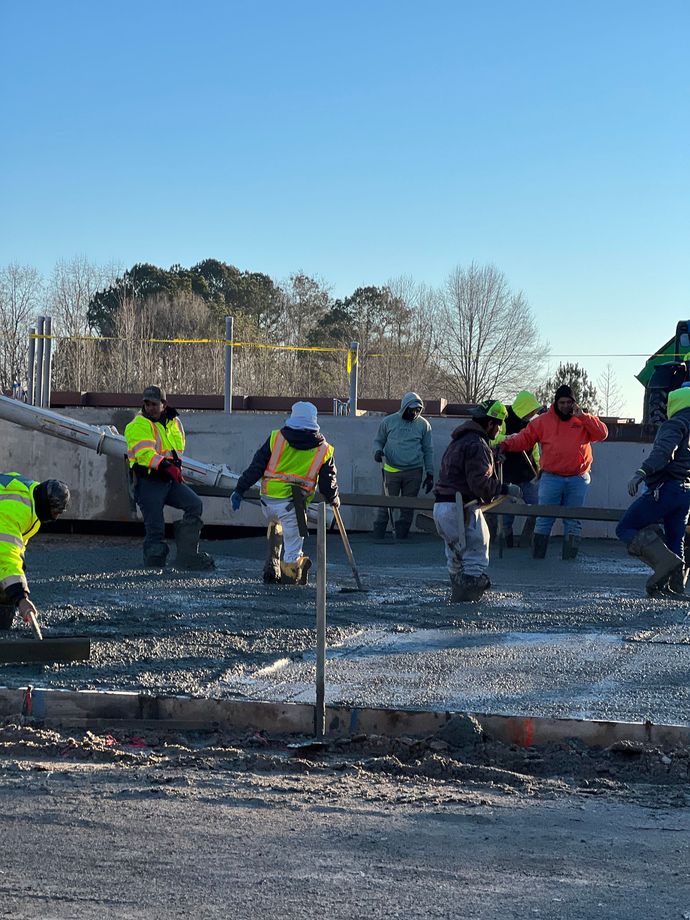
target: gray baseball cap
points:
(155, 394)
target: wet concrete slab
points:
(551, 638)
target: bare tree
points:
(490, 344)
(609, 393)
(70, 289)
(21, 289)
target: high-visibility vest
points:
(18, 523)
(289, 467)
(150, 443)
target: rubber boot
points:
(571, 545)
(675, 586)
(648, 546)
(7, 612)
(509, 540)
(539, 543)
(295, 573)
(379, 531)
(155, 556)
(187, 539)
(468, 588)
(274, 549)
(402, 529)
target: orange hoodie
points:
(565, 446)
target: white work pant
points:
(283, 510)
(473, 558)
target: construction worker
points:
(24, 506)
(290, 463)
(665, 475)
(155, 444)
(468, 469)
(565, 435)
(521, 469)
(403, 445)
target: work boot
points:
(571, 545)
(274, 549)
(379, 531)
(677, 581)
(295, 573)
(402, 529)
(6, 616)
(468, 588)
(539, 543)
(187, 533)
(648, 546)
(155, 555)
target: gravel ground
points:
(452, 826)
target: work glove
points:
(235, 500)
(428, 483)
(378, 456)
(634, 482)
(175, 473)
(499, 454)
(335, 503)
(509, 488)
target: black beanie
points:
(563, 391)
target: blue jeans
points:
(152, 495)
(672, 507)
(530, 494)
(568, 491)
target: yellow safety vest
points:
(18, 523)
(289, 467)
(150, 443)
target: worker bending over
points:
(290, 463)
(155, 444)
(468, 468)
(666, 499)
(24, 506)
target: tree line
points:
(469, 339)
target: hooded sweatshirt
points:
(468, 467)
(300, 439)
(519, 468)
(406, 445)
(670, 455)
(565, 445)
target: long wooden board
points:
(31, 651)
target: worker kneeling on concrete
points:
(468, 468)
(290, 463)
(666, 499)
(155, 444)
(24, 506)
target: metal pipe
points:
(354, 377)
(227, 401)
(320, 708)
(47, 362)
(40, 342)
(31, 368)
(105, 440)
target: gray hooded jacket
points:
(406, 445)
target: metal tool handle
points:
(346, 544)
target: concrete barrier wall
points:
(99, 483)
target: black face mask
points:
(411, 414)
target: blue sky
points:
(362, 141)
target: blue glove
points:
(235, 500)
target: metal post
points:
(40, 344)
(30, 371)
(47, 363)
(354, 376)
(227, 401)
(320, 709)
